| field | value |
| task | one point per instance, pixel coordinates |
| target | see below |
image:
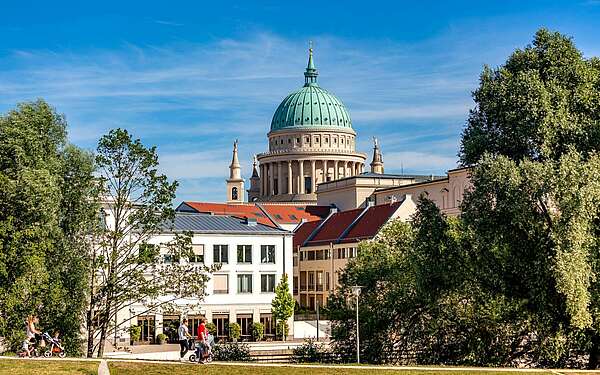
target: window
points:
(244, 283)
(221, 321)
(244, 254)
(147, 325)
(311, 280)
(234, 193)
(267, 253)
(320, 281)
(220, 254)
(221, 284)
(245, 322)
(267, 283)
(269, 323)
(311, 255)
(308, 185)
(193, 323)
(170, 258)
(198, 256)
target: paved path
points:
(103, 368)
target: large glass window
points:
(244, 254)
(267, 283)
(220, 254)
(147, 324)
(267, 253)
(244, 283)
(198, 256)
(221, 284)
(269, 323)
(245, 322)
(221, 321)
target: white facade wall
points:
(232, 303)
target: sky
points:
(192, 76)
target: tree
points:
(47, 204)
(282, 306)
(541, 102)
(127, 269)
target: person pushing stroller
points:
(203, 350)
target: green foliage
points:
(282, 306)
(232, 351)
(212, 328)
(282, 328)
(135, 332)
(258, 331)
(235, 331)
(47, 204)
(161, 338)
(541, 102)
(310, 351)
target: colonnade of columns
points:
(273, 180)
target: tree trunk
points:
(594, 352)
(103, 329)
(90, 333)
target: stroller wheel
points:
(62, 354)
(47, 354)
(192, 358)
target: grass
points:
(57, 367)
(129, 368)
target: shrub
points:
(258, 331)
(232, 351)
(212, 328)
(235, 331)
(135, 333)
(161, 338)
(310, 351)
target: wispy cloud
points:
(192, 100)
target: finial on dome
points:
(310, 75)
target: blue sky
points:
(190, 77)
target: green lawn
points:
(58, 367)
(124, 368)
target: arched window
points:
(234, 193)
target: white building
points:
(253, 258)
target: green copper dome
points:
(311, 106)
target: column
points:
(262, 180)
(271, 178)
(345, 169)
(313, 176)
(336, 170)
(289, 178)
(324, 170)
(301, 165)
(279, 177)
(351, 168)
(361, 167)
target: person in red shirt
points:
(203, 338)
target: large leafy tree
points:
(125, 268)
(46, 207)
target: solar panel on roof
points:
(293, 217)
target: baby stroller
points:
(53, 347)
(207, 357)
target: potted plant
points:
(135, 333)
(258, 331)
(161, 339)
(235, 331)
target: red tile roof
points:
(347, 226)
(303, 231)
(371, 222)
(335, 226)
(268, 214)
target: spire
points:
(235, 172)
(255, 167)
(310, 75)
(377, 163)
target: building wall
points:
(232, 304)
(447, 193)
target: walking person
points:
(183, 334)
(203, 338)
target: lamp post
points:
(356, 291)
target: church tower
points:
(254, 191)
(377, 163)
(235, 182)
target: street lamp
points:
(356, 291)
